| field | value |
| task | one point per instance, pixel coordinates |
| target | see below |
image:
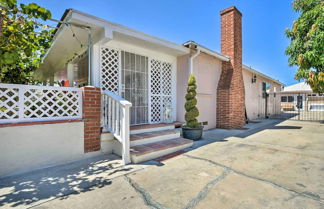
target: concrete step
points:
(151, 127)
(141, 153)
(151, 137)
(106, 142)
(106, 136)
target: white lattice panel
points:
(161, 90)
(166, 78)
(9, 103)
(43, 103)
(155, 77)
(109, 69)
(156, 109)
(28, 103)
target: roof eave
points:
(261, 74)
(134, 33)
(208, 51)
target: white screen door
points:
(134, 88)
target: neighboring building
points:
(152, 73)
(300, 96)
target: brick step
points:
(137, 129)
(154, 136)
(141, 153)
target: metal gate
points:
(134, 85)
(160, 91)
(294, 106)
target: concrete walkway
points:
(270, 165)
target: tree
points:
(23, 40)
(307, 43)
(190, 106)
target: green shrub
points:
(190, 106)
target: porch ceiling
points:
(65, 46)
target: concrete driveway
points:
(277, 166)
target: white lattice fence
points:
(109, 65)
(22, 103)
(161, 91)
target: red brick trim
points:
(38, 123)
(91, 115)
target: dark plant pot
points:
(192, 133)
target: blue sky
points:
(264, 23)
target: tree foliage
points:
(190, 106)
(23, 40)
(307, 43)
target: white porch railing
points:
(116, 119)
(27, 103)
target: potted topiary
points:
(191, 129)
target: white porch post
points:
(95, 66)
(70, 73)
(125, 133)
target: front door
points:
(134, 88)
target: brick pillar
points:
(91, 117)
(230, 90)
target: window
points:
(264, 86)
(283, 99)
(290, 98)
(265, 89)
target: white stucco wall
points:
(207, 70)
(182, 79)
(25, 148)
(255, 104)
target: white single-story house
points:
(149, 72)
(301, 96)
(133, 89)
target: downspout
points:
(191, 60)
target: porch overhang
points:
(69, 38)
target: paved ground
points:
(280, 166)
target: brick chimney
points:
(230, 90)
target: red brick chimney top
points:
(230, 9)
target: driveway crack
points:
(145, 195)
(304, 194)
(204, 192)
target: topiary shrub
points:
(190, 106)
